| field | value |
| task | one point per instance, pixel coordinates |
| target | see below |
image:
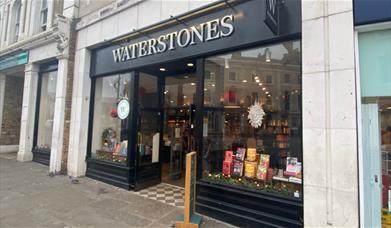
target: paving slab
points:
(29, 197)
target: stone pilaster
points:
(329, 115)
(2, 91)
(79, 117)
(58, 120)
(28, 113)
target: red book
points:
(228, 155)
(228, 167)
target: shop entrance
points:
(166, 125)
(178, 126)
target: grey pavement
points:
(31, 198)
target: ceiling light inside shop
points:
(257, 80)
(205, 89)
(244, 81)
(269, 95)
(165, 92)
(256, 77)
(260, 84)
(267, 92)
(388, 108)
(263, 88)
(162, 69)
(190, 64)
(213, 85)
(193, 84)
(186, 76)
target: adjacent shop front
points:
(225, 82)
(373, 26)
(44, 116)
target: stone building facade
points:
(331, 134)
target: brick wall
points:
(68, 97)
(12, 110)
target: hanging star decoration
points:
(255, 115)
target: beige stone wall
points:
(329, 114)
(89, 6)
(12, 110)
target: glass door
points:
(178, 126)
(148, 130)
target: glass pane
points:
(148, 137)
(110, 133)
(148, 91)
(180, 91)
(375, 67)
(149, 119)
(265, 81)
(46, 110)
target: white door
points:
(371, 165)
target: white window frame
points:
(43, 15)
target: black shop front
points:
(224, 81)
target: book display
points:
(111, 149)
(247, 167)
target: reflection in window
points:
(267, 158)
(109, 138)
(46, 110)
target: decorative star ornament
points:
(255, 115)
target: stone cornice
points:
(35, 41)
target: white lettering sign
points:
(204, 32)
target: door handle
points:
(376, 179)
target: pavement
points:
(29, 197)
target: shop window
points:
(266, 155)
(110, 133)
(47, 100)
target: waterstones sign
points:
(204, 32)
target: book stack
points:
(238, 161)
(263, 166)
(250, 170)
(228, 163)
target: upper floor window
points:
(17, 11)
(6, 16)
(44, 15)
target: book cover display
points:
(228, 163)
(263, 166)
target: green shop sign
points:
(14, 60)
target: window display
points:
(46, 110)
(252, 127)
(110, 139)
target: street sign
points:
(190, 219)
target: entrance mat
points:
(165, 193)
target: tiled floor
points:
(164, 193)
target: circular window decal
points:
(123, 109)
